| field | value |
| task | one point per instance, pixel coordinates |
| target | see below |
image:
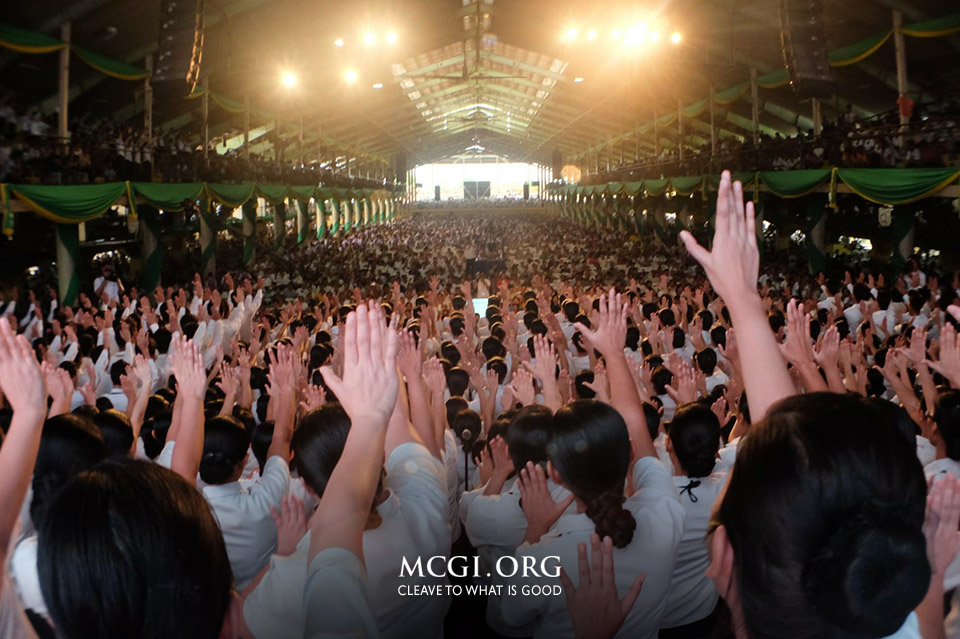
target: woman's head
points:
(529, 434)
(466, 426)
(694, 436)
(590, 453)
(116, 430)
(820, 529)
(318, 443)
(69, 444)
(129, 549)
(225, 446)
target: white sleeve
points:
(335, 597)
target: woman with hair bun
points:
(820, 532)
(593, 448)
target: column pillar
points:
(901, 58)
(713, 126)
(208, 241)
(816, 241)
(904, 234)
(63, 86)
(817, 117)
(206, 117)
(755, 105)
(279, 224)
(151, 247)
(148, 104)
(68, 252)
(680, 128)
(302, 224)
(249, 231)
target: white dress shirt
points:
(335, 597)
(243, 513)
(659, 516)
(414, 525)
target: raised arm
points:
(24, 391)
(367, 391)
(187, 366)
(609, 338)
(733, 267)
(411, 365)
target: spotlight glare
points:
(654, 36)
(350, 76)
(676, 37)
(378, 85)
(635, 35)
(338, 42)
(572, 34)
(391, 37)
(370, 38)
(592, 34)
(616, 34)
(288, 79)
(578, 79)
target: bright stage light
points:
(338, 42)
(616, 34)
(370, 38)
(578, 79)
(676, 37)
(378, 85)
(288, 79)
(592, 34)
(350, 76)
(635, 35)
(572, 34)
(391, 37)
(654, 36)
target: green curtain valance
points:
(70, 204)
(897, 186)
(857, 51)
(790, 184)
(231, 195)
(882, 186)
(936, 28)
(23, 41)
(274, 194)
(167, 197)
(105, 65)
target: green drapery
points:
(272, 193)
(152, 262)
(816, 213)
(23, 41)
(686, 185)
(774, 79)
(304, 208)
(231, 195)
(68, 235)
(335, 217)
(209, 225)
(731, 95)
(936, 28)
(656, 188)
(789, 184)
(897, 186)
(903, 228)
(70, 204)
(851, 54)
(167, 197)
(114, 69)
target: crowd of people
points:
(103, 150)
(930, 140)
(480, 203)
(601, 438)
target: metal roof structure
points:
(491, 74)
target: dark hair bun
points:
(858, 578)
(611, 519)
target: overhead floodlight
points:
(378, 85)
(391, 37)
(370, 38)
(578, 79)
(572, 34)
(676, 37)
(288, 79)
(338, 42)
(350, 76)
(592, 34)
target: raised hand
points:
(949, 363)
(610, 335)
(229, 380)
(502, 465)
(291, 521)
(411, 359)
(313, 398)
(797, 348)
(595, 608)
(59, 387)
(684, 388)
(733, 264)
(538, 504)
(186, 364)
(600, 385)
(367, 390)
(522, 386)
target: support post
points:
(755, 105)
(148, 104)
(206, 118)
(680, 128)
(68, 251)
(151, 248)
(246, 126)
(901, 58)
(713, 126)
(249, 231)
(817, 117)
(63, 86)
(208, 241)
(302, 223)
